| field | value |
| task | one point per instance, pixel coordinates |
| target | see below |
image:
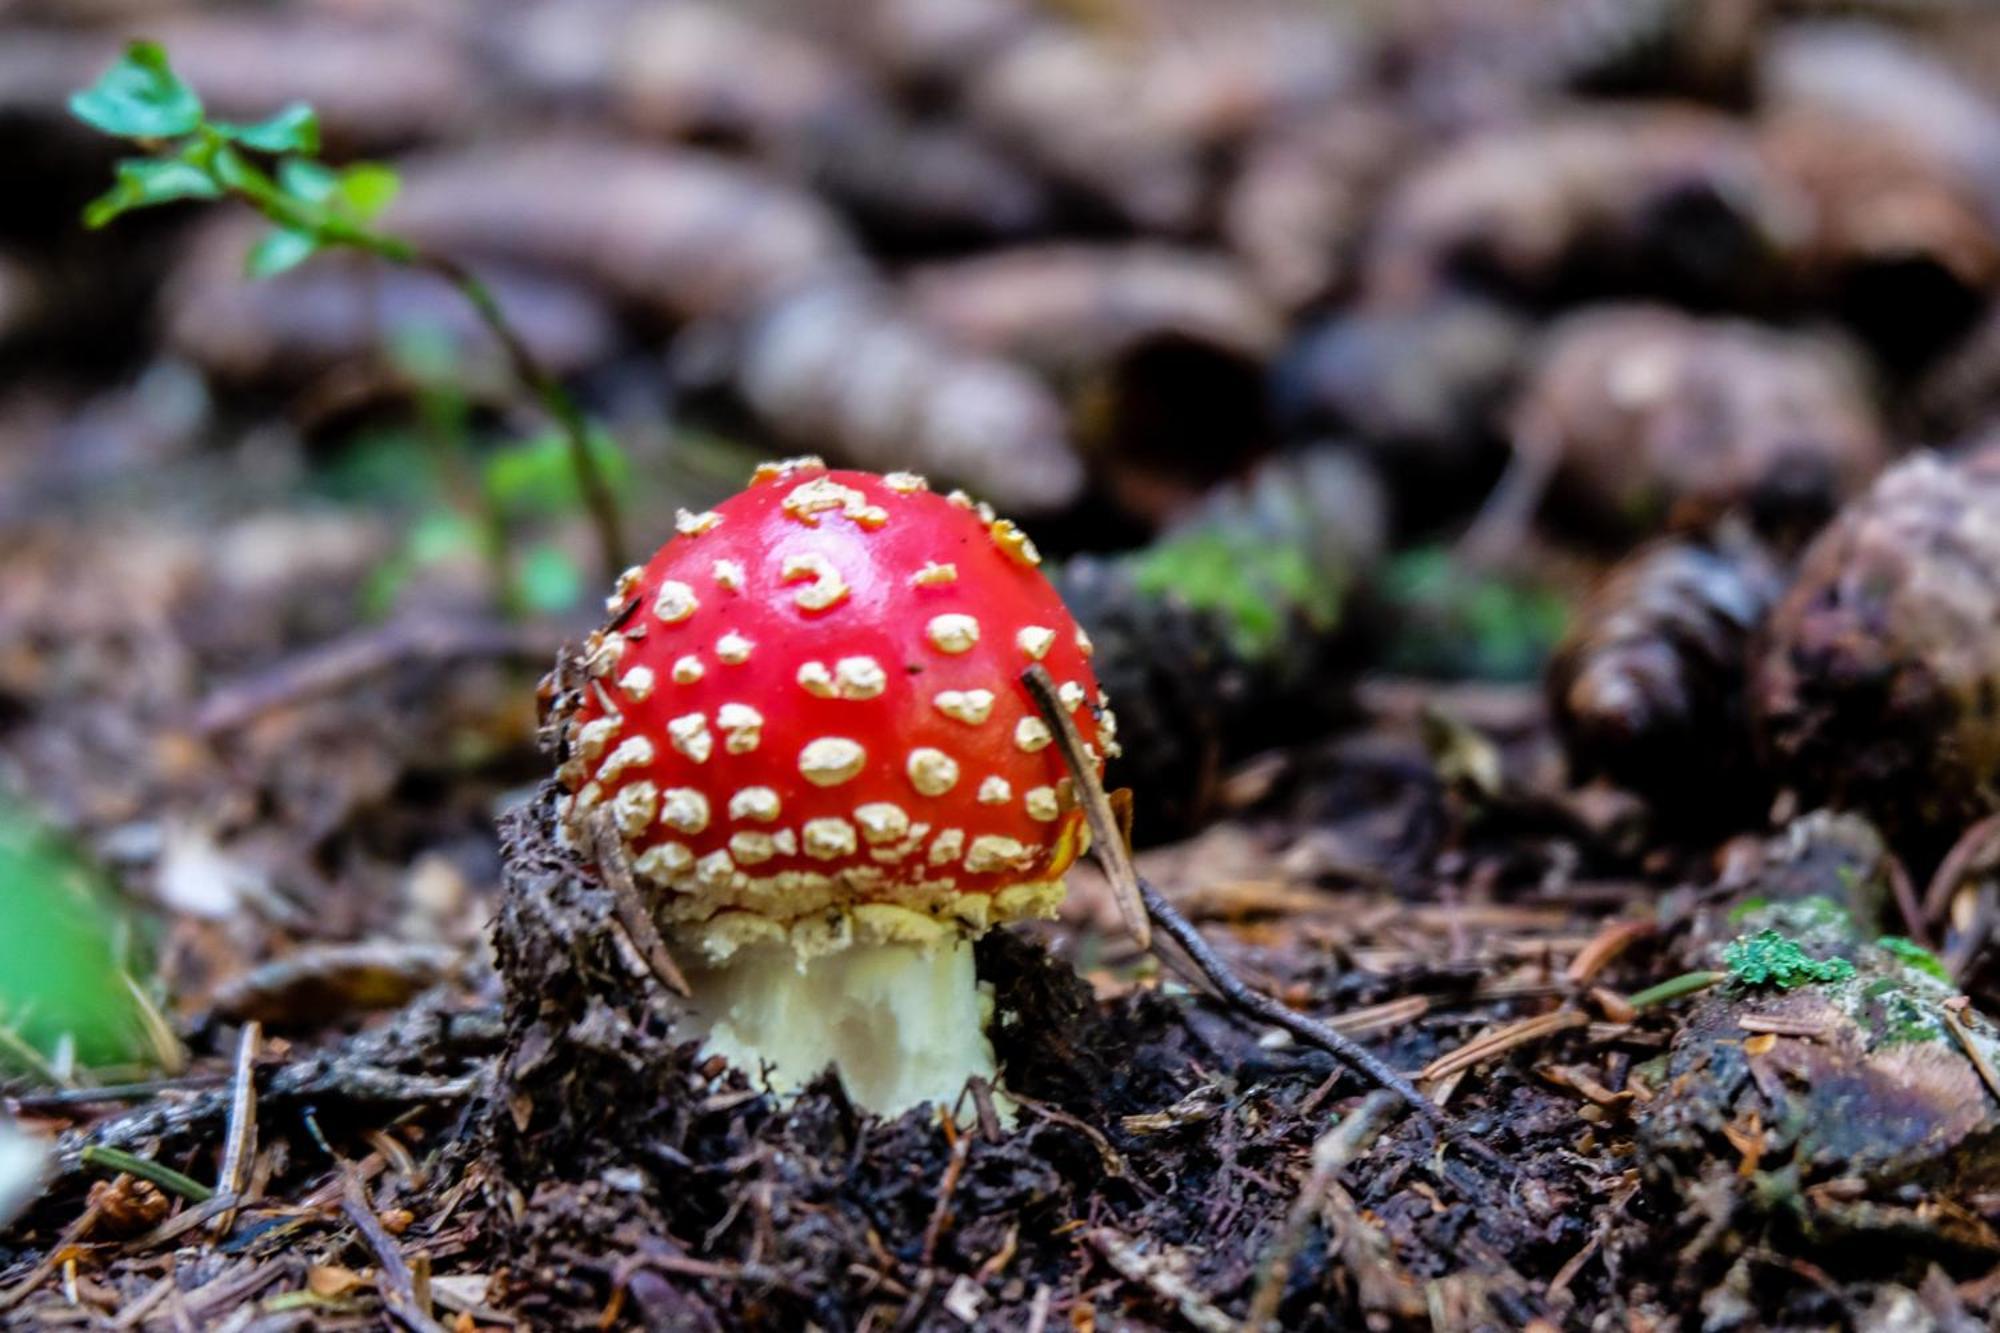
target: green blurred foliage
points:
(1452, 622)
(468, 496)
(66, 957)
(1914, 955)
(1255, 585)
(536, 476)
(548, 579)
(380, 467)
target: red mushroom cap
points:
(806, 718)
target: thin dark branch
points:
(1118, 865)
(328, 227)
(396, 1285)
(35, 1103)
(240, 1143)
(607, 849)
(1233, 989)
(1107, 836)
(341, 663)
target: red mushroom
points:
(807, 724)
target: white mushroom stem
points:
(901, 1024)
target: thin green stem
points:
(596, 490)
(288, 211)
(1675, 988)
(113, 1159)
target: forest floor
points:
(1330, 352)
(382, 1146)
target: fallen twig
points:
(396, 1286)
(1158, 1273)
(1117, 863)
(1781, 1026)
(240, 1144)
(608, 851)
(1976, 848)
(961, 1149)
(363, 1069)
(57, 1254)
(1493, 1044)
(135, 1313)
(1381, 1017)
(1107, 835)
(1331, 1153)
(181, 1223)
(1614, 939)
(341, 663)
(34, 1103)
(1904, 893)
(1309, 1030)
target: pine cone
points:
(1647, 688)
(1879, 685)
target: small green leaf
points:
(66, 954)
(366, 189)
(140, 97)
(280, 249)
(538, 475)
(293, 130)
(306, 180)
(144, 182)
(442, 534)
(230, 167)
(549, 580)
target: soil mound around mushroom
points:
(633, 1135)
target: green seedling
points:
(1254, 585)
(273, 166)
(474, 499)
(1455, 621)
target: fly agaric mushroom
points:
(806, 723)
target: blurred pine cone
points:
(1879, 685)
(1647, 689)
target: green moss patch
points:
(1769, 958)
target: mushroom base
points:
(901, 1024)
